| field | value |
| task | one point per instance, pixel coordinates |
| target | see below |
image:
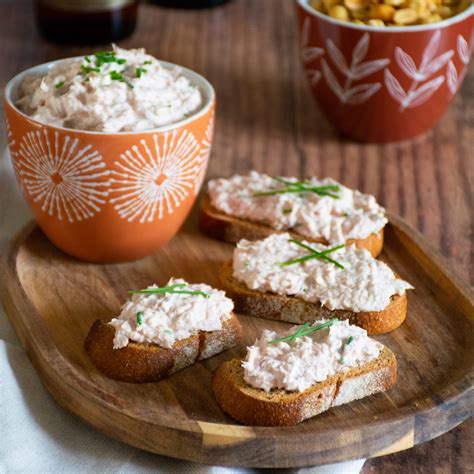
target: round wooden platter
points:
(52, 300)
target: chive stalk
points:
(304, 330)
(301, 187)
(172, 289)
(314, 254)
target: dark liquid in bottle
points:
(79, 24)
(189, 3)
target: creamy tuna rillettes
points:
(364, 284)
(335, 214)
(118, 91)
(164, 318)
(297, 365)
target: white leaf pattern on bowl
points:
(332, 81)
(357, 70)
(394, 87)
(310, 54)
(337, 57)
(368, 68)
(463, 50)
(314, 76)
(359, 94)
(424, 92)
(417, 94)
(407, 64)
(452, 78)
(361, 49)
(419, 91)
(437, 64)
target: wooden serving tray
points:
(52, 300)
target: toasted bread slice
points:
(141, 362)
(294, 310)
(256, 407)
(218, 225)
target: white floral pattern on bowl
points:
(154, 177)
(204, 154)
(62, 175)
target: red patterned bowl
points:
(384, 84)
(110, 196)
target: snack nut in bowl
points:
(106, 197)
(377, 81)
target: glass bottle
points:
(86, 22)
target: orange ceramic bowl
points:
(107, 197)
(384, 84)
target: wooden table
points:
(267, 120)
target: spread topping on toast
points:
(313, 208)
(165, 315)
(281, 361)
(363, 284)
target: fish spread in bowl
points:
(110, 150)
(114, 91)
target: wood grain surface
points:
(267, 120)
(179, 416)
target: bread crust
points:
(220, 226)
(294, 310)
(256, 407)
(143, 363)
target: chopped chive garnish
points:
(146, 62)
(139, 318)
(59, 85)
(108, 57)
(349, 340)
(88, 69)
(116, 76)
(105, 54)
(139, 71)
(301, 187)
(304, 330)
(287, 211)
(314, 254)
(87, 59)
(172, 289)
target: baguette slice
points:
(221, 226)
(256, 407)
(142, 362)
(297, 311)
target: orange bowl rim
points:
(194, 77)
